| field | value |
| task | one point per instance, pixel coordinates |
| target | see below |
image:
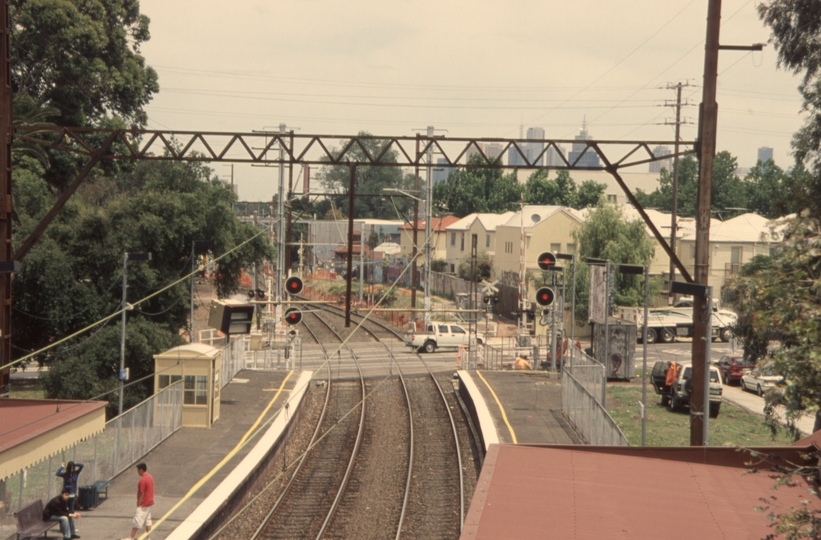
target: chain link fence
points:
(125, 440)
(584, 411)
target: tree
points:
(72, 276)
(484, 190)
(482, 270)
(370, 181)
(560, 192)
(606, 234)
(590, 192)
(83, 58)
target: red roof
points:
(25, 419)
(623, 492)
(343, 250)
(438, 224)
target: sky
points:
(475, 68)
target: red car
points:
(733, 367)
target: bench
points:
(100, 486)
(30, 522)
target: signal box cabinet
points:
(198, 365)
(620, 363)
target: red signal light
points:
(546, 260)
(545, 296)
(293, 285)
(293, 316)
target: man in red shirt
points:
(145, 500)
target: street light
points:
(122, 374)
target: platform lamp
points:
(123, 374)
(195, 245)
(706, 292)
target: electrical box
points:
(231, 317)
(620, 362)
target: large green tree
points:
(72, 276)
(562, 190)
(607, 234)
(372, 201)
(484, 190)
(83, 56)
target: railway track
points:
(404, 474)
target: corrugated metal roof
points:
(635, 493)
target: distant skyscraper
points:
(531, 151)
(656, 166)
(553, 158)
(765, 153)
(589, 158)
(442, 171)
(491, 150)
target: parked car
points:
(733, 366)
(440, 335)
(672, 381)
(760, 379)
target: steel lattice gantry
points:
(265, 148)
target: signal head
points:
(260, 294)
(293, 315)
(251, 293)
(293, 285)
(545, 296)
(546, 260)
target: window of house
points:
(453, 239)
(611, 198)
(487, 240)
(556, 248)
(452, 269)
(463, 243)
(735, 254)
(167, 380)
(196, 391)
(571, 249)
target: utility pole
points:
(708, 122)
(428, 225)
(673, 226)
(280, 271)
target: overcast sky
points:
(474, 68)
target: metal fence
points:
(585, 412)
(233, 359)
(125, 440)
(587, 372)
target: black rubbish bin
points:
(87, 497)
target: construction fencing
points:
(124, 441)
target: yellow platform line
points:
(225, 460)
(499, 403)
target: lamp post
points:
(121, 376)
(572, 258)
(204, 244)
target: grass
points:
(733, 427)
(28, 391)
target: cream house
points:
(459, 236)
(545, 228)
(438, 226)
(733, 243)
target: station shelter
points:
(198, 366)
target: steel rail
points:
(314, 438)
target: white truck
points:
(665, 324)
(440, 335)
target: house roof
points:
(488, 221)
(624, 492)
(534, 214)
(438, 224)
(746, 228)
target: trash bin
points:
(87, 497)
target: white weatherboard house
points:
(460, 233)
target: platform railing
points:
(587, 371)
(123, 442)
(584, 411)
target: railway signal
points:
(293, 315)
(546, 260)
(545, 296)
(231, 317)
(293, 285)
(259, 294)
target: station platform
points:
(526, 406)
(189, 458)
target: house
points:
(459, 236)
(545, 228)
(438, 226)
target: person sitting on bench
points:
(57, 509)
